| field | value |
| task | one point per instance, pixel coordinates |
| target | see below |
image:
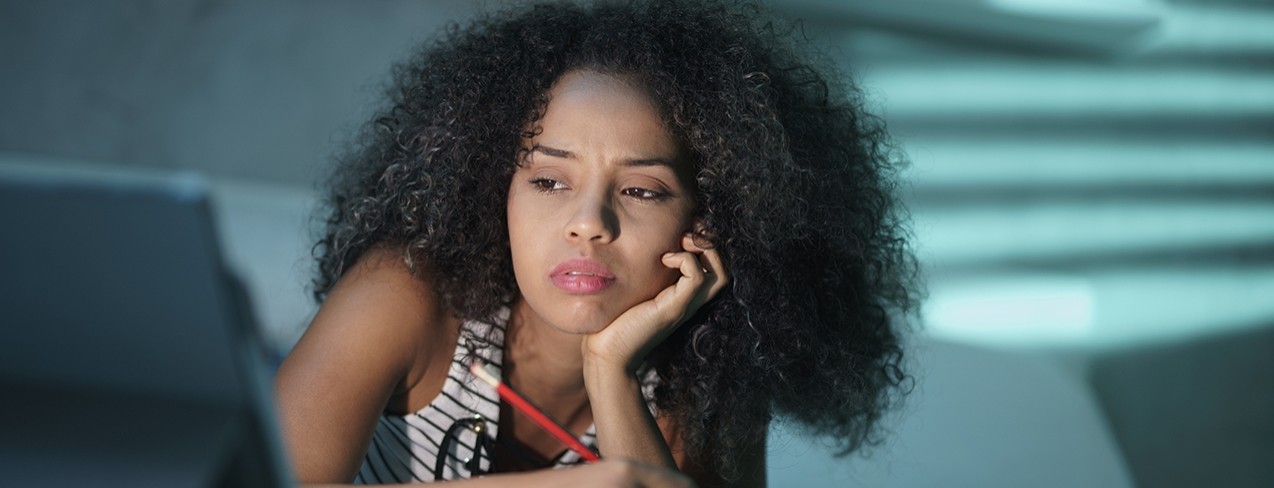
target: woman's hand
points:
(626, 341)
(625, 473)
(625, 426)
(610, 473)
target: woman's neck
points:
(545, 365)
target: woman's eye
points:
(547, 185)
(644, 194)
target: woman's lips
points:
(581, 277)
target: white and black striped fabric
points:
(404, 448)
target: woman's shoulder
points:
(374, 342)
(382, 295)
(397, 307)
(382, 321)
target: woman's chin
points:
(575, 319)
(582, 324)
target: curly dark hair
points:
(796, 188)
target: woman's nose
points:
(594, 220)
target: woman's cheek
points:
(670, 275)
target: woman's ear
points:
(700, 236)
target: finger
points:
(692, 271)
(716, 267)
(716, 276)
(682, 294)
(688, 243)
(699, 283)
(715, 264)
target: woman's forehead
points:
(594, 113)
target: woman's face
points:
(603, 192)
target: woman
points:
(658, 221)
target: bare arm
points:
(625, 426)
(609, 473)
(373, 338)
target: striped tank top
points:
(442, 441)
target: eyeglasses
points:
(484, 447)
(481, 447)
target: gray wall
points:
(262, 90)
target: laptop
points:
(128, 353)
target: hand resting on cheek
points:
(626, 341)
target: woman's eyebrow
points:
(554, 152)
(650, 162)
(562, 153)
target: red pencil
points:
(522, 405)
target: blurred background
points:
(1091, 185)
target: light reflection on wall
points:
(1012, 309)
(1075, 186)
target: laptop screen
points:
(126, 344)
